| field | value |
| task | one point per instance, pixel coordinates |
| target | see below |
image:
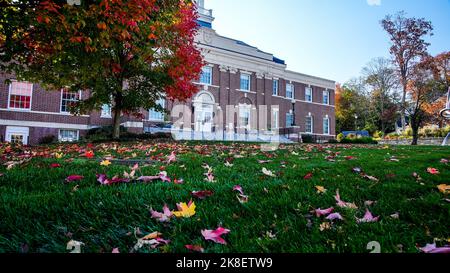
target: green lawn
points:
(40, 212)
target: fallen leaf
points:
(368, 218)
(73, 178)
(343, 204)
(202, 194)
(55, 165)
(162, 216)
(431, 248)
(228, 164)
(268, 173)
(445, 189)
(324, 226)
(242, 198)
(308, 176)
(185, 210)
(215, 235)
(335, 216)
(239, 189)
(321, 189)
(432, 171)
(89, 154)
(105, 163)
(323, 212)
(115, 250)
(196, 248)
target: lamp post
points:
(356, 122)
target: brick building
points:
(237, 74)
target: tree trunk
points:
(415, 132)
(403, 115)
(116, 126)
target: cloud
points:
(374, 2)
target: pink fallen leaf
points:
(171, 158)
(343, 204)
(368, 218)
(202, 194)
(444, 161)
(163, 176)
(215, 235)
(239, 189)
(178, 181)
(432, 171)
(323, 212)
(308, 176)
(115, 250)
(162, 216)
(196, 248)
(431, 248)
(147, 179)
(73, 178)
(335, 216)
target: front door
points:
(18, 135)
(204, 120)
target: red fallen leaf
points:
(202, 194)
(239, 189)
(55, 165)
(215, 235)
(196, 248)
(162, 168)
(432, 171)
(89, 154)
(308, 176)
(350, 157)
(73, 178)
(90, 145)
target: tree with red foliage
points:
(126, 53)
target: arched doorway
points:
(204, 112)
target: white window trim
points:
(312, 97)
(59, 135)
(107, 115)
(323, 122)
(249, 82)
(9, 98)
(327, 93)
(312, 125)
(61, 100)
(157, 120)
(211, 78)
(292, 90)
(275, 120)
(278, 87)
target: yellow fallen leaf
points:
(59, 155)
(185, 210)
(105, 163)
(151, 236)
(445, 189)
(321, 189)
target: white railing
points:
(203, 11)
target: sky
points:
(332, 39)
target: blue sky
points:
(333, 39)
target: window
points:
(106, 111)
(68, 98)
(308, 94)
(275, 118)
(289, 91)
(155, 115)
(326, 97)
(309, 125)
(206, 75)
(289, 120)
(68, 135)
(244, 116)
(245, 82)
(275, 87)
(326, 125)
(20, 95)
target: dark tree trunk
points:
(415, 131)
(117, 112)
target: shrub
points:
(362, 140)
(340, 137)
(351, 136)
(333, 141)
(307, 139)
(378, 134)
(47, 139)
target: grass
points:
(39, 212)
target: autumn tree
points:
(408, 45)
(380, 76)
(126, 53)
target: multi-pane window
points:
(275, 118)
(20, 95)
(244, 117)
(326, 126)
(206, 75)
(326, 97)
(245, 82)
(289, 91)
(275, 87)
(106, 111)
(67, 99)
(309, 125)
(289, 120)
(308, 94)
(156, 115)
(17, 138)
(68, 135)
